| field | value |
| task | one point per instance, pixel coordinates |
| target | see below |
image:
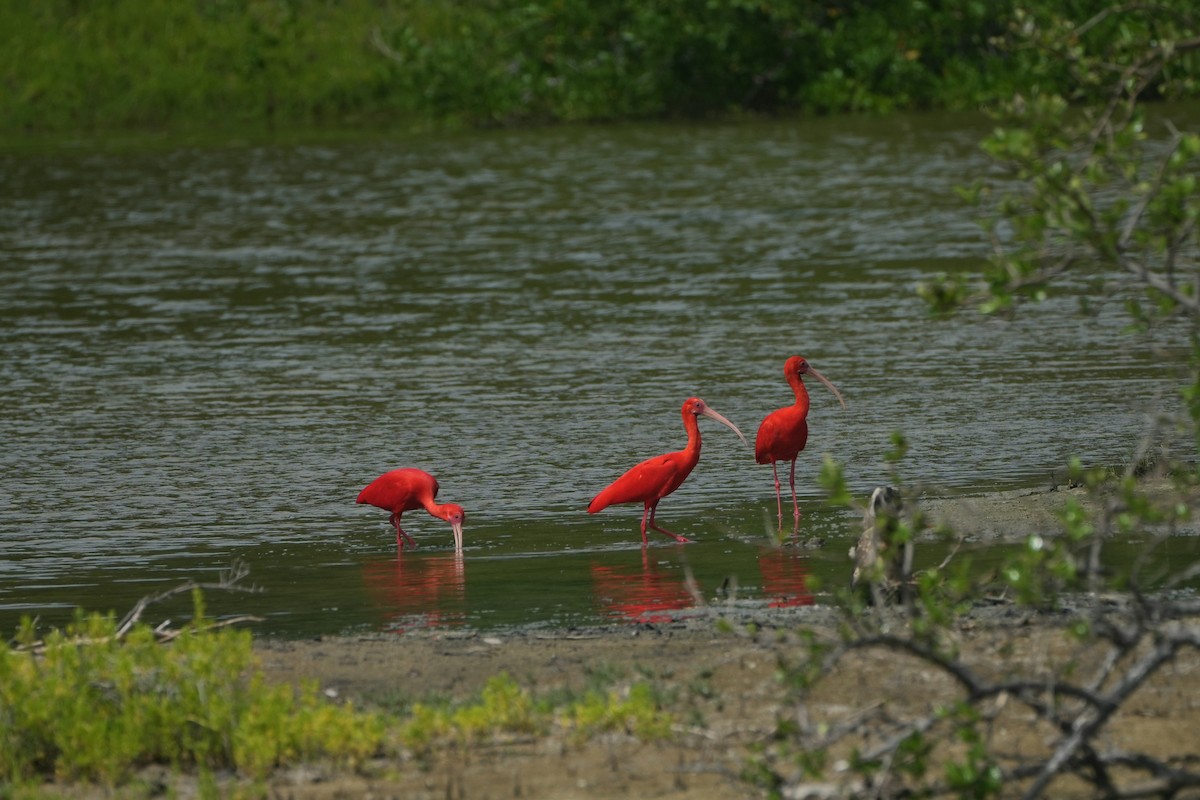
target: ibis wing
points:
(648, 481)
(398, 490)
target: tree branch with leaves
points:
(1093, 192)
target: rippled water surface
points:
(208, 351)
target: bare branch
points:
(229, 581)
(1089, 722)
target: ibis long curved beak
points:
(708, 412)
(825, 381)
(456, 525)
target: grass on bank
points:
(86, 705)
(66, 65)
(70, 66)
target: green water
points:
(208, 351)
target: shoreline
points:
(721, 683)
(716, 669)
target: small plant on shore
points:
(504, 709)
(636, 712)
(97, 700)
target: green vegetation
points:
(69, 66)
(86, 704)
(506, 708)
(129, 63)
(1095, 195)
(93, 704)
(555, 61)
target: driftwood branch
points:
(229, 580)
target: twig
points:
(228, 581)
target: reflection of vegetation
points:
(66, 65)
(1085, 193)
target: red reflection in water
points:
(418, 591)
(640, 595)
(785, 578)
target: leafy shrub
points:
(85, 704)
(67, 65)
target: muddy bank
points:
(1011, 516)
(723, 681)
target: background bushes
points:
(67, 64)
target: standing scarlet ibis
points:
(784, 432)
(655, 478)
(406, 489)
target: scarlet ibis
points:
(655, 478)
(783, 434)
(406, 489)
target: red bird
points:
(655, 478)
(406, 489)
(784, 432)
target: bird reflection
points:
(785, 577)
(416, 591)
(645, 594)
